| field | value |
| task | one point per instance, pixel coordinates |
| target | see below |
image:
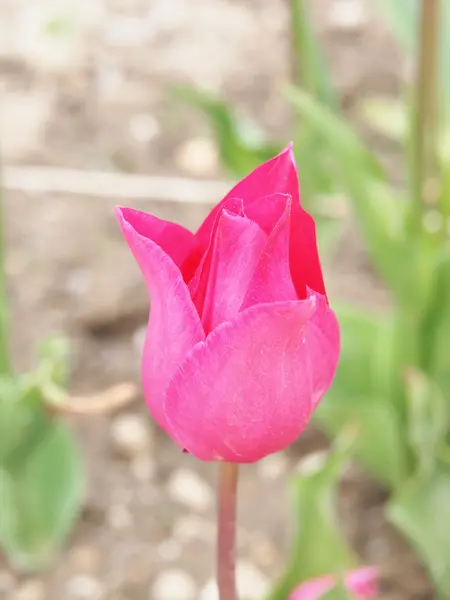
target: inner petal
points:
(272, 280)
(220, 284)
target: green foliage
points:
(309, 64)
(421, 510)
(41, 475)
(318, 547)
(41, 490)
(242, 144)
(385, 115)
(365, 394)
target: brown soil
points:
(105, 106)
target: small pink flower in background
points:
(241, 343)
(361, 583)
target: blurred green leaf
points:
(23, 420)
(445, 193)
(312, 72)
(61, 26)
(53, 360)
(428, 419)
(242, 145)
(337, 133)
(364, 395)
(10, 416)
(380, 443)
(365, 363)
(41, 500)
(421, 510)
(319, 548)
(339, 592)
(386, 115)
(436, 326)
(404, 20)
(379, 208)
(328, 233)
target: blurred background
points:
(86, 88)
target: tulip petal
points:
(272, 281)
(278, 175)
(227, 267)
(313, 589)
(304, 255)
(174, 325)
(324, 339)
(361, 583)
(176, 241)
(267, 210)
(247, 390)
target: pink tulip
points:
(241, 343)
(361, 583)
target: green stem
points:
(5, 366)
(226, 553)
(424, 131)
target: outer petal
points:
(176, 241)
(247, 390)
(174, 325)
(272, 281)
(278, 175)
(324, 346)
(313, 589)
(361, 583)
(304, 256)
(227, 267)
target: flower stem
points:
(227, 490)
(424, 146)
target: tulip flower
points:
(362, 584)
(241, 343)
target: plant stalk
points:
(424, 131)
(226, 537)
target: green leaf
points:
(421, 510)
(380, 209)
(373, 420)
(365, 395)
(41, 501)
(328, 232)
(436, 325)
(365, 364)
(428, 419)
(339, 592)
(10, 416)
(61, 26)
(313, 74)
(319, 548)
(386, 115)
(339, 136)
(242, 144)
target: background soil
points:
(93, 95)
